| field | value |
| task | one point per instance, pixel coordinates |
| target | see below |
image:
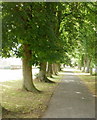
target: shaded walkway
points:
(71, 99)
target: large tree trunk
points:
(59, 67)
(27, 69)
(42, 74)
(55, 69)
(49, 71)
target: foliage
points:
(54, 31)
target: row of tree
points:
(46, 34)
(87, 52)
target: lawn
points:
(89, 80)
(23, 104)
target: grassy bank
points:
(89, 80)
(23, 104)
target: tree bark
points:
(42, 74)
(90, 71)
(59, 67)
(79, 67)
(49, 71)
(27, 69)
(88, 65)
(55, 69)
(84, 66)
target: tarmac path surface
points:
(71, 99)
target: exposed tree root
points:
(34, 90)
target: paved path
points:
(71, 99)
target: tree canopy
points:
(49, 32)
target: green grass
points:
(23, 104)
(89, 81)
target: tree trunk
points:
(90, 70)
(81, 62)
(27, 70)
(84, 66)
(54, 69)
(42, 74)
(88, 65)
(49, 71)
(59, 67)
(79, 66)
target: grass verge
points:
(89, 80)
(23, 104)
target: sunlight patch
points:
(68, 81)
(78, 92)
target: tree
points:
(87, 37)
(23, 24)
(18, 36)
(51, 48)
